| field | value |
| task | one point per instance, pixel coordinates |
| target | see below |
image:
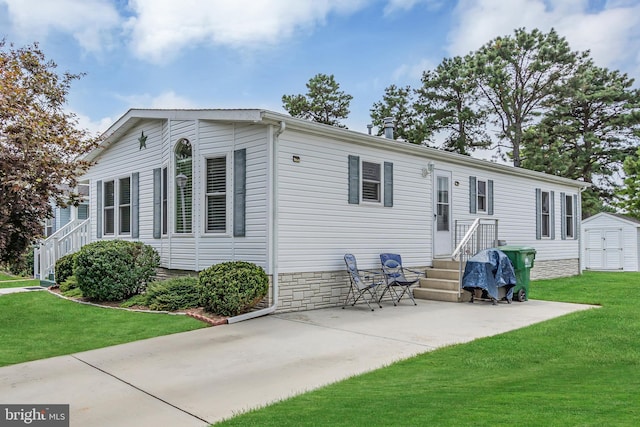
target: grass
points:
(37, 325)
(582, 369)
(10, 281)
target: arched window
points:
(183, 186)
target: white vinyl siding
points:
(317, 223)
(216, 195)
(622, 235)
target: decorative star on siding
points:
(142, 140)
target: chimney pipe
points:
(369, 127)
(388, 127)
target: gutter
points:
(274, 235)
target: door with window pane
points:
(442, 216)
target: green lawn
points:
(36, 325)
(582, 369)
(9, 281)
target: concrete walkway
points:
(4, 291)
(200, 377)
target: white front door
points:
(442, 236)
(604, 249)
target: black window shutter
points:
(157, 202)
(388, 184)
(135, 205)
(473, 198)
(239, 192)
(563, 217)
(490, 197)
(354, 179)
(538, 214)
(552, 215)
(99, 209)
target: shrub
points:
(64, 268)
(114, 270)
(70, 283)
(20, 266)
(140, 299)
(174, 294)
(232, 288)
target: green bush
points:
(70, 283)
(114, 270)
(64, 268)
(21, 266)
(174, 294)
(140, 299)
(232, 288)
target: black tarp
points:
(489, 270)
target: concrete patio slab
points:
(199, 377)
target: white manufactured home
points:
(611, 242)
(293, 196)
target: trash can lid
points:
(514, 248)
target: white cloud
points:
(168, 99)
(413, 71)
(405, 5)
(612, 34)
(90, 22)
(95, 127)
(161, 28)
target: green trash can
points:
(522, 258)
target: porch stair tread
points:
(441, 283)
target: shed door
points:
(442, 215)
(604, 249)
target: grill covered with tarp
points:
(491, 272)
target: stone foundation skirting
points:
(555, 268)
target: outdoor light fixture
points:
(428, 169)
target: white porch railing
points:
(472, 237)
(67, 240)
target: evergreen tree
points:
(629, 195)
(516, 76)
(448, 102)
(323, 103)
(592, 125)
(397, 102)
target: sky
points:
(248, 53)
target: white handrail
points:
(468, 235)
(66, 240)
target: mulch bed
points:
(197, 313)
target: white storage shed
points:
(611, 242)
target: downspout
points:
(274, 235)
(579, 232)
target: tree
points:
(591, 126)
(629, 194)
(517, 75)
(397, 102)
(448, 102)
(40, 145)
(323, 103)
